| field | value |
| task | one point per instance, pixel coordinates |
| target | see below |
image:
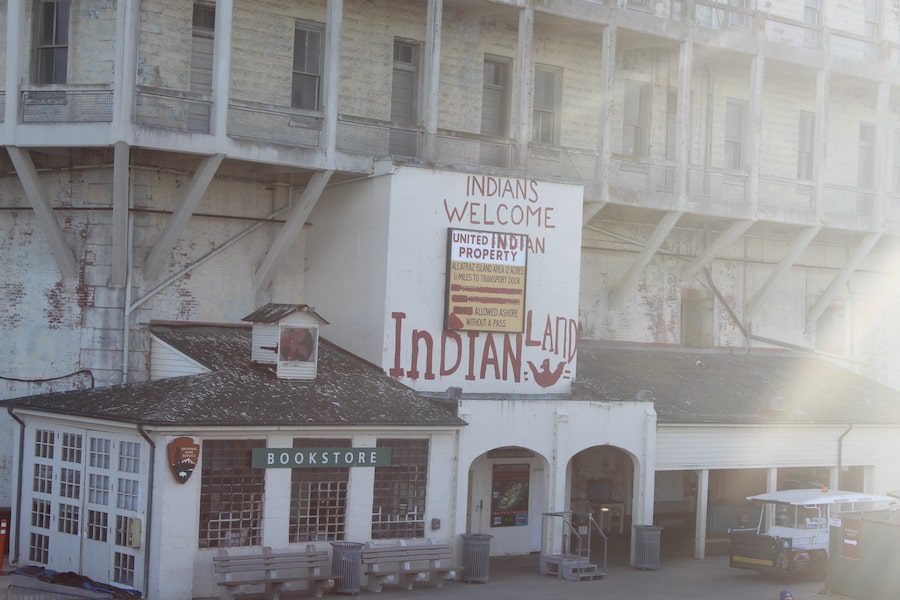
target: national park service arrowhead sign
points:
(183, 455)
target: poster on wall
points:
(486, 274)
(850, 538)
(509, 495)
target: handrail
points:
(599, 529)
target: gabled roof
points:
(347, 391)
(272, 313)
(717, 386)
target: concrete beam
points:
(48, 224)
(179, 219)
(801, 243)
(757, 86)
(857, 256)
(221, 82)
(15, 27)
(683, 119)
(291, 228)
(590, 210)
(523, 92)
(702, 509)
(332, 80)
(120, 214)
(659, 235)
(725, 239)
(127, 18)
(607, 115)
(431, 95)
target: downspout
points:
(18, 482)
(841, 452)
(151, 469)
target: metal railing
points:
(717, 15)
(67, 104)
(172, 109)
(275, 124)
(785, 192)
(669, 9)
(791, 31)
(845, 44)
(642, 173)
(847, 200)
(717, 184)
(462, 148)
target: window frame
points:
(642, 127)
(740, 142)
(411, 477)
(308, 27)
(505, 68)
(39, 48)
(555, 111)
(806, 156)
(314, 525)
(412, 66)
(866, 180)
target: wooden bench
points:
(272, 570)
(407, 563)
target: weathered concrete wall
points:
(164, 44)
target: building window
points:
(70, 483)
(306, 80)
(398, 506)
(39, 548)
(43, 479)
(123, 568)
(811, 10)
(231, 494)
(547, 99)
(98, 489)
(865, 172)
(71, 447)
(99, 452)
(734, 133)
(202, 54)
(805, 145)
(405, 83)
(40, 513)
(68, 519)
(495, 98)
(634, 119)
(51, 41)
(129, 457)
(43, 443)
(97, 523)
(318, 498)
(127, 494)
(872, 13)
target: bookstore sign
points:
(312, 458)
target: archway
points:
(508, 491)
(601, 481)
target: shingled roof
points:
(722, 387)
(347, 391)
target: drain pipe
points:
(18, 482)
(151, 469)
(841, 452)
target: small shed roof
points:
(273, 312)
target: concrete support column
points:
(432, 76)
(15, 26)
(221, 83)
(834, 478)
(128, 16)
(882, 154)
(683, 119)
(757, 86)
(360, 486)
(332, 80)
(559, 464)
(823, 82)
(121, 153)
(524, 86)
(277, 499)
(607, 116)
(771, 480)
(702, 511)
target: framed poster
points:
(486, 274)
(509, 495)
(850, 538)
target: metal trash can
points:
(476, 557)
(346, 566)
(646, 546)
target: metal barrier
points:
(170, 109)
(848, 201)
(67, 105)
(784, 192)
(273, 124)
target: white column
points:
(277, 498)
(360, 486)
(15, 26)
(127, 18)
(834, 478)
(332, 81)
(524, 86)
(607, 114)
(757, 86)
(683, 119)
(120, 214)
(771, 480)
(432, 76)
(702, 510)
(222, 67)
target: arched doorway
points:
(507, 495)
(602, 482)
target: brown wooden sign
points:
(183, 455)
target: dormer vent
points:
(286, 335)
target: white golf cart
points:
(791, 537)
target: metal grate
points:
(43, 443)
(67, 521)
(231, 494)
(39, 548)
(127, 494)
(129, 457)
(97, 523)
(98, 489)
(318, 498)
(43, 479)
(70, 483)
(71, 447)
(40, 513)
(398, 506)
(99, 452)
(123, 568)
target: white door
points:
(67, 498)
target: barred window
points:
(40, 513)
(99, 452)
(43, 479)
(398, 506)
(129, 457)
(318, 497)
(39, 548)
(123, 568)
(43, 443)
(71, 447)
(231, 494)
(97, 523)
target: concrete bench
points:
(407, 563)
(272, 571)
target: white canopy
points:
(812, 496)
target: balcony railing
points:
(669, 9)
(274, 124)
(791, 32)
(471, 149)
(785, 192)
(171, 109)
(716, 15)
(717, 184)
(642, 173)
(67, 104)
(559, 162)
(849, 201)
(845, 44)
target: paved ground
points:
(517, 578)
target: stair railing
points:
(595, 525)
